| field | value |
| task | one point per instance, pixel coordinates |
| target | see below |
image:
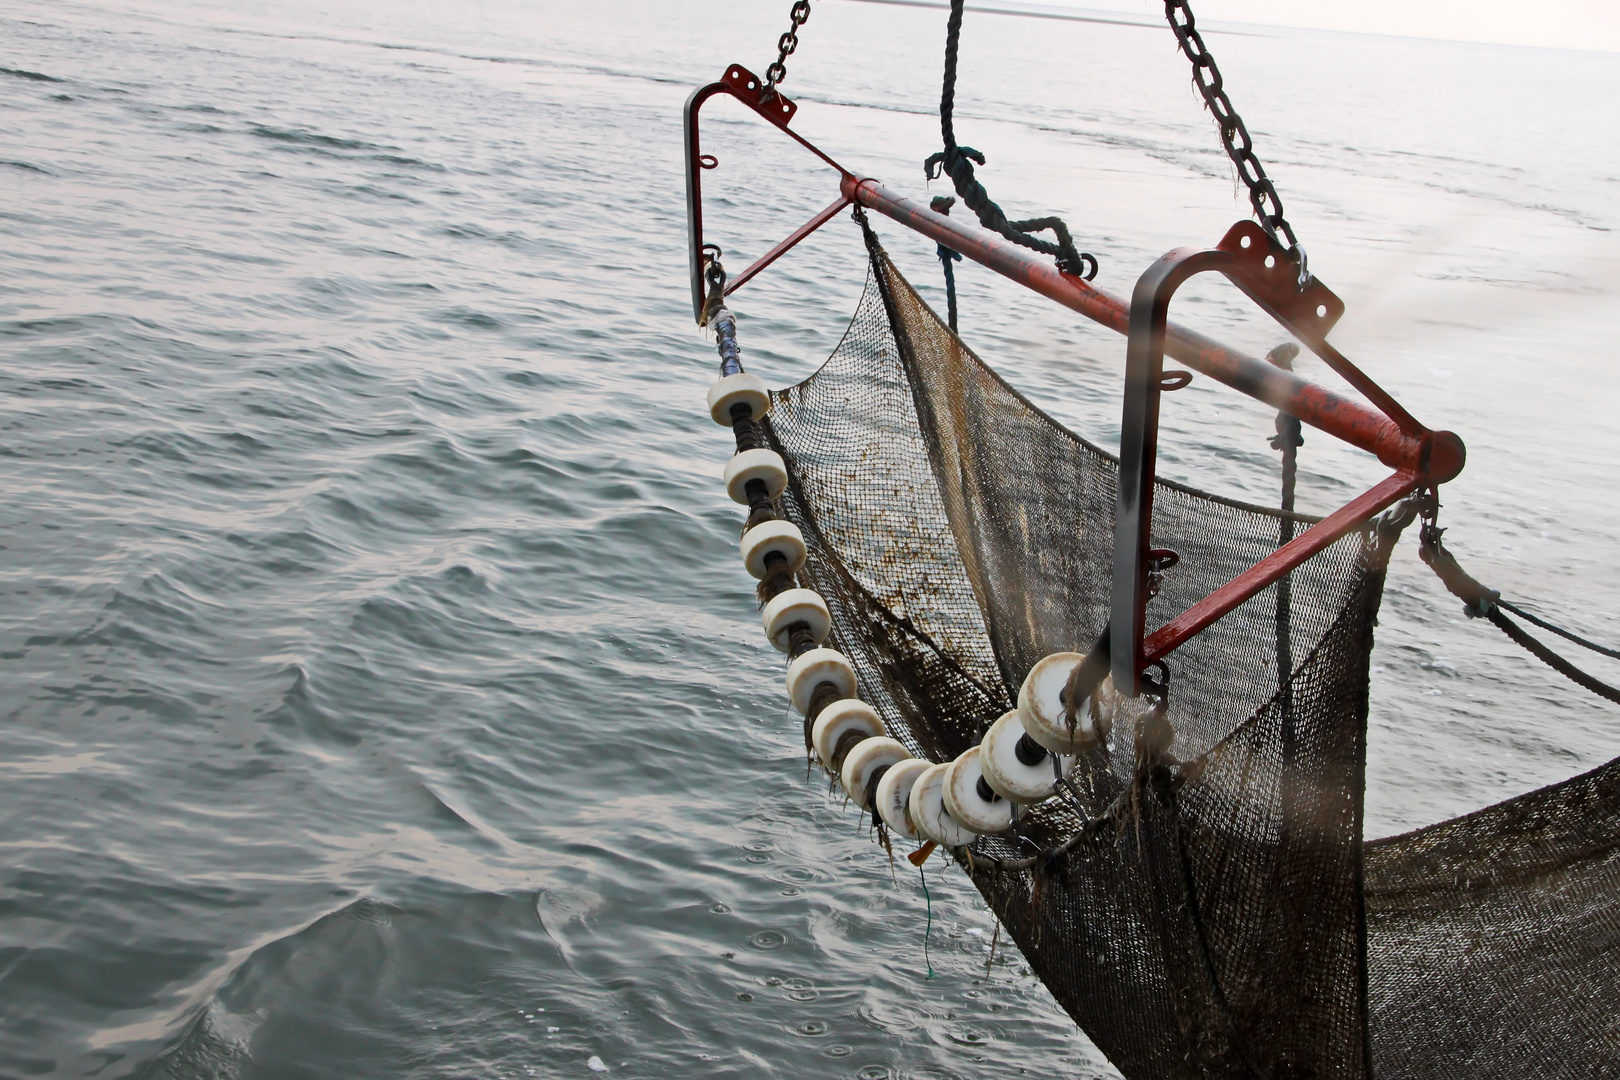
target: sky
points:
(1563, 24)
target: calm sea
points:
(383, 696)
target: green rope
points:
(930, 926)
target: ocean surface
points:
(382, 694)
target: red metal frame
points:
(1421, 457)
(1259, 266)
(747, 88)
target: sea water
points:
(383, 696)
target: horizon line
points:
(1218, 26)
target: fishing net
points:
(1206, 915)
(1494, 939)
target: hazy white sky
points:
(1569, 24)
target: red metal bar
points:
(1437, 454)
(1386, 493)
(794, 237)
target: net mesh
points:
(1494, 939)
(1210, 919)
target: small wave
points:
(25, 167)
(567, 915)
(557, 907)
(374, 192)
(34, 76)
(474, 232)
(53, 325)
(300, 711)
(308, 138)
(216, 1046)
(355, 989)
(408, 162)
(369, 910)
(467, 317)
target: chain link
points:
(1263, 195)
(787, 43)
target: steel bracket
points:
(749, 89)
(1267, 274)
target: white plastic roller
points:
(838, 720)
(779, 537)
(766, 465)
(967, 803)
(866, 758)
(739, 389)
(1006, 771)
(894, 796)
(796, 606)
(814, 668)
(1044, 715)
(928, 813)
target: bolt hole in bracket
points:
(748, 88)
(1265, 272)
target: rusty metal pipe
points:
(1355, 423)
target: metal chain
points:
(1263, 195)
(787, 43)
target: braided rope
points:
(958, 161)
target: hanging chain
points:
(1234, 136)
(787, 43)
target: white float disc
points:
(868, 757)
(928, 814)
(838, 719)
(962, 798)
(739, 389)
(998, 757)
(796, 606)
(815, 667)
(766, 465)
(894, 796)
(1040, 705)
(782, 537)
